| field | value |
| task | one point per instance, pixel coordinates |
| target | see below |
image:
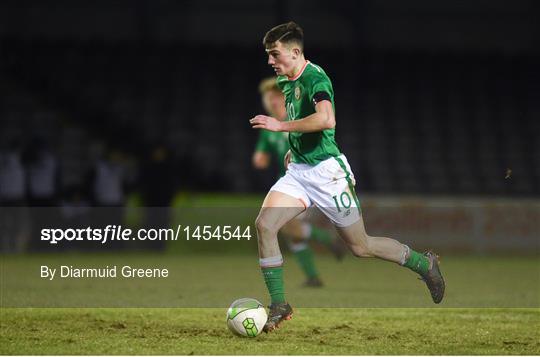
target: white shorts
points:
(328, 185)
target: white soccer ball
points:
(246, 317)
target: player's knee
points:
(265, 226)
(362, 248)
(360, 251)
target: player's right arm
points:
(322, 119)
(320, 92)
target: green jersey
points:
(308, 148)
(274, 143)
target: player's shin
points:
(270, 260)
(272, 269)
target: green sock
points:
(320, 235)
(306, 262)
(273, 277)
(417, 262)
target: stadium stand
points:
(418, 122)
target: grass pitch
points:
(491, 307)
(311, 331)
(215, 280)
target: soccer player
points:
(317, 174)
(276, 144)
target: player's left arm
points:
(322, 119)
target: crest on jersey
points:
(297, 93)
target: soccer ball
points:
(246, 317)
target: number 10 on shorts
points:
(344, 199)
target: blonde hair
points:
(268, 84)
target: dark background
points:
(432, 97)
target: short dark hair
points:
(286, 33)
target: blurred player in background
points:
(276, 144)
(318, 174)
